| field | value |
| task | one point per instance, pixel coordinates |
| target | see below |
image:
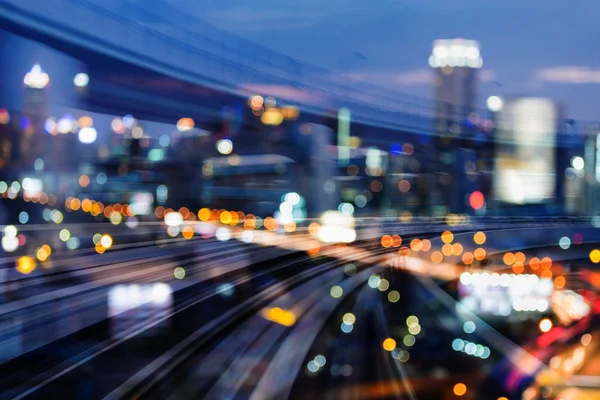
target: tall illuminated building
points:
(455, 62)
(34, 115)
(527, 153)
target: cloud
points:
(414, 78)
(417, 77)
(406, 78)
(569, 74)
(487, 75)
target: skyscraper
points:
(526, 151)
(456, 62)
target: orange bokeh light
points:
(386, 241)
(546, 263)
(508, 258)
(468, 258)
(84, 180)
(436, 257)
(416, 245)
(479, 253)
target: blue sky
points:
(534, 47)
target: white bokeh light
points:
(494, 103)
(87, 135)
(81, 79)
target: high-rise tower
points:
(456, 62)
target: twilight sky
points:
(534, 47)
(529, 47)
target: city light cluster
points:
(455, 53)
(36, 78)
(500, 294)
(470, 348)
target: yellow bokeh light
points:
(595, 256)
(225, 217)
(204, 214)
(389, 344)
(412, 320)
(336, 292)
(349, 319)
(179, 273)
(272, 116)
(479, 238)
(459, 389)
(447, 237)
(116, 218)
(393, 296)
(25, 265)
(279, 316)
